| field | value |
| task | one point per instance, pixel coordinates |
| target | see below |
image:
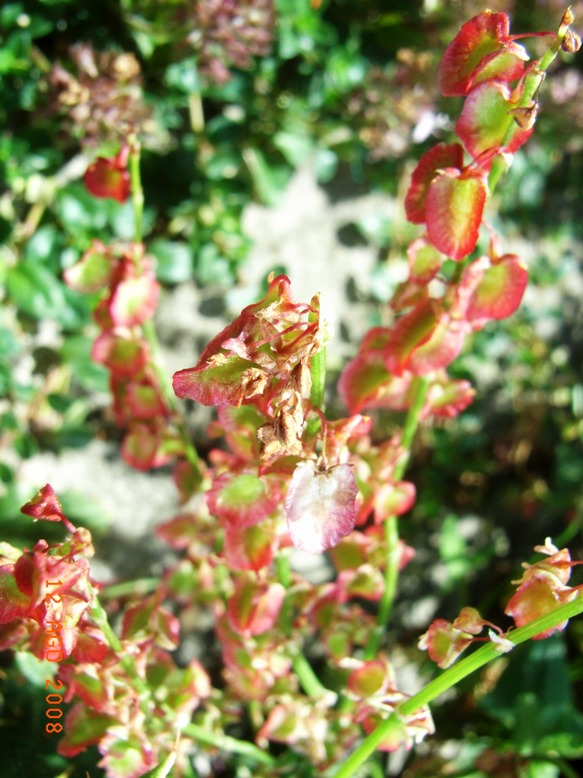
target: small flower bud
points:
(571, 42)
(568, 17)
(525, 117)
(503, 645)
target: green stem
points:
(451, 677)
(318, 374)
(308, 679)
(148, 326)
(532, 84)
(390, 589)
(227, 743)
(283, 567)
(196, 112)
(136, 188)
(420, 389)
(100, 619)
(151, 336)
(139, 587)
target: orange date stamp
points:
(54, 653)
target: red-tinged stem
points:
(522, 35)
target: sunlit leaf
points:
(481, 39)
(500, 290)
(455, 205)
(486, 119)
(434, 160)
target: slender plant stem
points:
(390, 588)
(318, 374)
(100, 618)
(136, 188)
(318, 388)
(307, 677)
(451, 677)
(148, 326)
(227, 743)
(139, 587)
(420, 389)
(283, 568)
(196, 112)
(532, 84)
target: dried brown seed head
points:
(525, 116)
(568, 17)
(571, 42)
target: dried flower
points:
(571, 42)
(229, 33)
(102, 96)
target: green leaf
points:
(211, 267)
(325, 165)
(295, 147)
(42, 245)
(122, 220)
(9, 345)
(80, 213)
(376, 227)
(85, 511)
(174, 261)
(76, 351)
(36, 671)
(223, 165)
(269, 180)
(183, 76)
(39, 294)
(453, 550)
(9, 14)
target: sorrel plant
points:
(288, 476)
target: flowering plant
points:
(289, 477)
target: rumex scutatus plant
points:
(288, 476)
